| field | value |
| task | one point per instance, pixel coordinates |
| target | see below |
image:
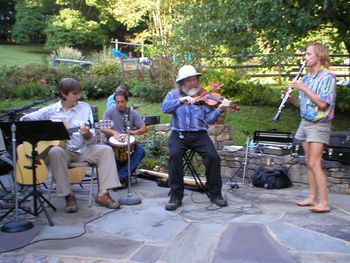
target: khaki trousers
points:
(101, 155)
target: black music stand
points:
(33, 132)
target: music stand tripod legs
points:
(37, 195)
(243, 164)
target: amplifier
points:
(151, 120)
(338, 148)
(339, 154)
(340, 139)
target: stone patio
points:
(258, 226)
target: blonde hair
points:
(321, 52)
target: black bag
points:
(271, 179)
(5, 163)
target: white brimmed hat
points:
(186, 72)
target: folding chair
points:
(191, 171)
(93, 177)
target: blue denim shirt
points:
(187, 117)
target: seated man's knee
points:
(56, 151)
(176, 154)
(140, 150)
(213, 156)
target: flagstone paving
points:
(258, 226)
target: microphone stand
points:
(243, 164)
(17, 224)
(129, 199)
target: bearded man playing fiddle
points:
(189, 125)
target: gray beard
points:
(191, 92)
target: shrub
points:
(7, 81)
(163, 73)
(152, 84)
(68, 53)
(240, 89)
(36, 79)
(34, 72)
(104, 55)
(96, 87)
(33, 90)
(105, 68)
(146, 89)
(343, 99)
(155, 145)
(102, 79)
(72, 71)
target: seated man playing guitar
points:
(124, 118)
(80, 147)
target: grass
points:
(250, 118)
(20, 55)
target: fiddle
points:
(212, 100)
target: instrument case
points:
(338, 148)
(339, 154)
(340, 139)
(273, 142)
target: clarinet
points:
(286, 96)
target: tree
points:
(275, 26)
(7, 19)
(153, 18)
(70, 28)
(30, 22)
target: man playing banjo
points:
(124, 118)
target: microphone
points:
(127, 120)
(57, 95)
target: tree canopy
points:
(186, 27)
(250, 26)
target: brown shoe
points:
(107, 201)
(71, 203)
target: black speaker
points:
(151, 120)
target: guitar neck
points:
(75, 129)
(98, 125)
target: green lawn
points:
(22, 54)
(251, 118)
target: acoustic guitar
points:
(24, 171)
(43, 147)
